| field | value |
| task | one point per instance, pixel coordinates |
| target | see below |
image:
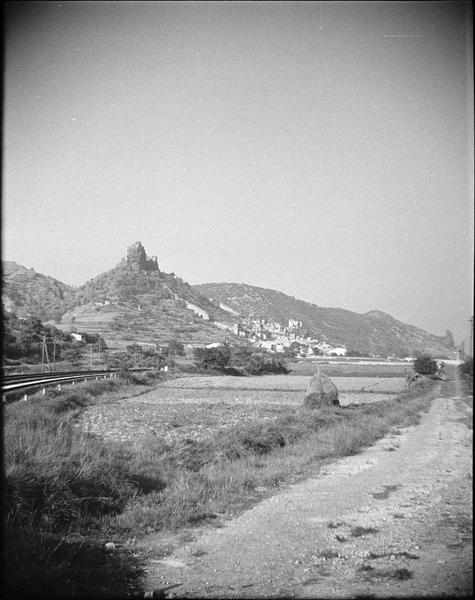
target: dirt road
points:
(394, 521)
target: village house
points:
(77, 337)
(336, 352)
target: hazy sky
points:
(323, 149)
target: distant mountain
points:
(372, 333)
(26, 292)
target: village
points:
(274, 337)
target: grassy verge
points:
(58, 485)
(208, 479)
(68, 493)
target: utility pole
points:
(470, 346)
(54, 355)
(90, 360)
(44, 354)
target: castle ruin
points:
(137, 259)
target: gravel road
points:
(393, 521)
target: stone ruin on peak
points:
(137, 259)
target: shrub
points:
(239, 360)
(466, 368)
(425, 365)
(212, 358)
(465, 373)
(176, 348)
(138, 378)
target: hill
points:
(134, 301)
(372, 333)
(26, 292)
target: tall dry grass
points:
(59, 483)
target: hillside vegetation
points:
(372, 333)
(28, 293)
(135, 301)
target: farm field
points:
(196, 408)
(351, 368)
(286, 383)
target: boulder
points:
(321, 392)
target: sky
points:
(322, 149)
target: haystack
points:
(321, 391)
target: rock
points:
(321, 392)
(110, 546)
(138, 260)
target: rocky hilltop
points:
(134, 301)
(137, 259)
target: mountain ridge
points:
(136, 300)
(337, 326)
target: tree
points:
(449, 339)
(100, 345)
(466, 368)
(212, 358)
(239, 360)
(425, 365)
(176, 348)
(121, 360)
(73, 354)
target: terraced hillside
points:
(122, 323)
(126, 304)
(135, 301)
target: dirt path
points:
(394, 521)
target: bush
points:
(466, 368)
(212, 358)
(138, 378)
(425, 365)
(465, 372)
(239, 360)
(176, 348)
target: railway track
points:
(29, 381)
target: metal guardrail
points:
(7, 379)
(23, 383)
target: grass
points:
(205, 477)
(349, 368)
(282, 383)
(68, 492)
(359, 531)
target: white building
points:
(336, 352)
(77, 337)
